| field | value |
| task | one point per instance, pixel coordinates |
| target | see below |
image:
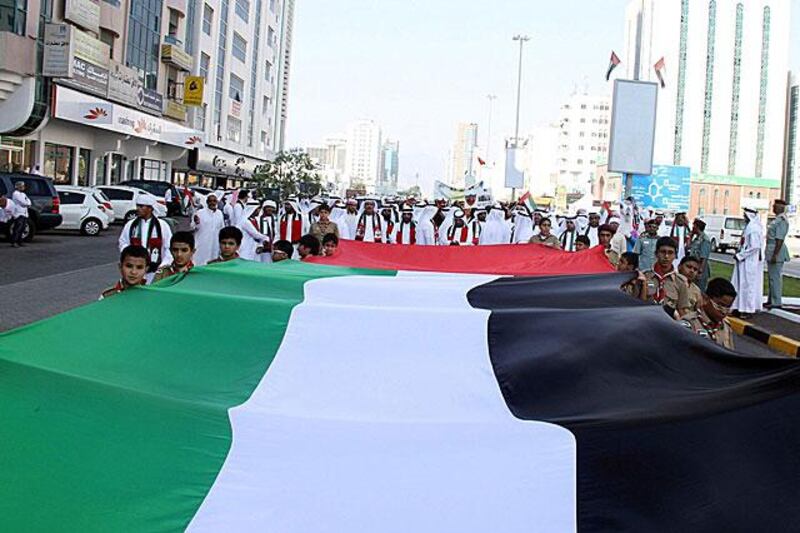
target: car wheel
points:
(30, 231)
(91, 227)
(130, 215)
(714, 245)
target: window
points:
(13, 14)
(737, 76)
(239, 49)
(117, 194)
(205, 61)
(208, 19)
(84, 163)
(710, 53)
(264, 141)
(236, 88)
(714, 202)
(150, 169)
(265, 106)
(268, 71)
(71, 198)
(174, 21)
(219, 85)
(188, 37)
(272, 5)
(144, 38)
(681, 92)
(58, 163)
(242, 9)
(234, 129)
(762, 95)
(270, 37)
(108, 38)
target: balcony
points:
(172, 53)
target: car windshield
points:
(735, 223)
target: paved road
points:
(62, 270)
(791, 268)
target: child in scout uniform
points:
(230, 239)
(182, 249)
(708, 320)
(664, 285)
(133, 262)
(690, 269)
(629, 262)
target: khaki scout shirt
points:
(699, 322)
(695, 296)
(551, 241)
(167, 271)
(676, 289)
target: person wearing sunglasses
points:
(708, 320)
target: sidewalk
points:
(778, 329)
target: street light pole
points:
(522, 40)
(491, 98)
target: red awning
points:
(513, 260)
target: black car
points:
(159, 189)
(43, 214)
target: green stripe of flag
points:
(114, 416)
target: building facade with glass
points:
(722, 111)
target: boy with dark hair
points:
(708, 320)
(690, 269)
(182, 249)
(604, 234)
(133, 262)
(664, 285)
(330, 243)
(282, 251)
(308, 245)
(629, 262)
(582, 242)
(230, 238)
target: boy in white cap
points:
(150, 232)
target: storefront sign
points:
(193, 90)
(88, 77)
(84, 13)
(220, 162)
(236, 108)
(100, 113)
(90, 49)
(57, 51)
(175, 55)
(175, 110)
(124, 84)
(668, 187)
(150, 100)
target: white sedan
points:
(83, 209)
(123, 199)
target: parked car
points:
(82, 209)
(159, 190)
(123, 199)
(44, 212)
(112, 216)
(725, 231)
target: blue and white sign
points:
(667, 188)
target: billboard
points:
(667, 188)
(633, 127)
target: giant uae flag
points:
(313, 398)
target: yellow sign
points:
(193, 90)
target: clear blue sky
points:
(420, 66)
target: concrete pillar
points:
(107, 173)
(137, 168)
(75, 152)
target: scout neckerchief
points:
(568, 240)
(412, 233)
(361, 228)
(291, 228)
(154, 243)
(686, 237)
(711, 329)
(661, 277)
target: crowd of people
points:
(669, 264)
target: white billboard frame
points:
(632, 135)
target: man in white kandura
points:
(206, 224)
(748, 272)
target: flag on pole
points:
(481, 162)
(660, 67)
(527, 200)
(613, 63)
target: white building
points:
(583, 140)
(363, 159)
(542, 159)
(331, 158)
(791, 168)
(390, 168)
(462, 164)
(723, 109)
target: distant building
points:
(331, 160)
(542, 159)
(390, 168)
(462, 163)
(722, 111)
(363, 160)
(791, 164)
(583, 141)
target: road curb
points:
(779, 343)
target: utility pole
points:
(522, 40)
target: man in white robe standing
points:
(348, 222)
(206, 224)
(592, 228)
(682, 234)
(496, 230)
(748, 271)
(426, 231)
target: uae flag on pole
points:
(612, 64)
(527, 200)
(247, 397)
(659, 67)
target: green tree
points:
(291, 172)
